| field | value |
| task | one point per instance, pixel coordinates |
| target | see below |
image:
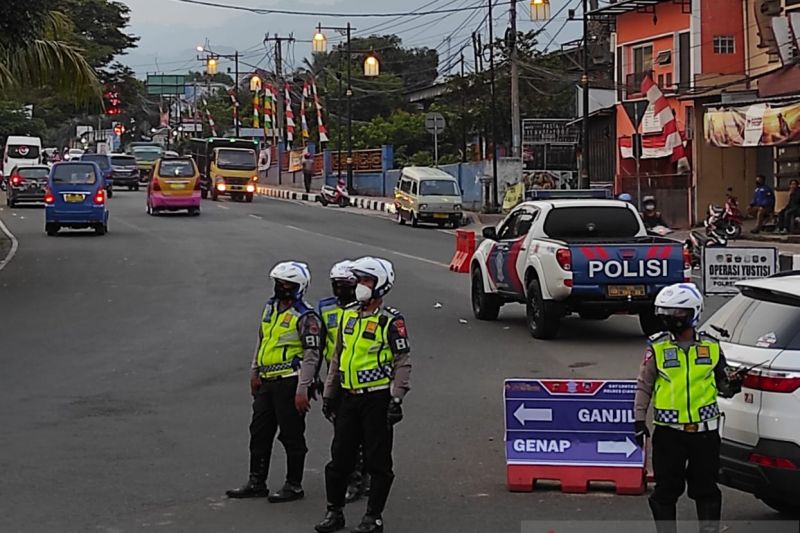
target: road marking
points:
(223, 206)
(393, 252)
(14, 245)
(256, 216)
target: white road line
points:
(14, 245)
(223, 206)
(394, 252)
(256, 216)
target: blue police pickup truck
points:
(592, 257)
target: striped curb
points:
(788, 262)
(359, 202)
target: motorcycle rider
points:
(650, 215)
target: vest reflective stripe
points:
(686, 389)
(281, 349)
(331, 314)
(366, 359)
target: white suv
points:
(761, 426)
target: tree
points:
(97, 29)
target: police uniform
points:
(683, 380)
(331, 313)
(286, 360)
(371, 367)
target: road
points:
(124, 387)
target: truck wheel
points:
(414, 220)
(484, 306)
(543, 322)
(203, 193)
(214, 196)
(400, 219)
(456, 223)
(248, 198)
(649, 322)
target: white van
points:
(21, 151)
(425, 194)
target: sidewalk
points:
(371, 203)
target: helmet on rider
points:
(291, 280)
(343, 282)
(649, 204)
(375, 278)
(625, 197)
(679, 306)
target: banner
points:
(514, 195)
(295, 160)
(723, 267)
(754, 125)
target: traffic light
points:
(112, 102)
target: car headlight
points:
(423, 207)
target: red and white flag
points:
(303, 121)
(669, 126)
(323, 131)
(289, 116)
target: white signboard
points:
(723, 267)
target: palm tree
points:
(46, 60)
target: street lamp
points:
(319, 43)
(211, 68)
(255, 84)
(540, 10)
(372, 67)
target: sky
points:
(170, 30)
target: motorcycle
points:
(714, 237)
(727, 219)
(335, 195)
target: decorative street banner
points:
(571, 423)
(754, 125)
(363, 160)
(723, 267)
(296, 160)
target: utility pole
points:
(516, 119)
(278, 121)
(463, 113)
(585, 178)
(495, 203)
(349, 113)
(236, 91)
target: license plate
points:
(441, 215)
(74, 198)
(178, 185)
(623, 291)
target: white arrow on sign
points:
(523, 414)
(626, 446)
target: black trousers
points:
(681, 458)
(273, 409)
(361, 420)
(307, 180)
(786, 216)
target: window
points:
(438, 188)
(664, 57)
(33, 172)
(80, 174)
(724, 44)
(414, 187)
(684, 61)
(787, 162)
(643, 59)
(234, 159)
(587, 223)
(123, 161)
(100, 159)
(182, 168)
(405, 185)
(22, 152)
(509, 229)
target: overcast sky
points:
(171, 30)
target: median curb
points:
(359, 202)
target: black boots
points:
(371, 523)
(665, 517)
(288, 493)
(256, 487)
(708, 513)
(333, 521)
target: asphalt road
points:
(124, 395)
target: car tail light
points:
(197, 184)
(687, 262)
(156, 184)
(772, 462)
(771, 381)
(568, 282)
(564, 259)
(16, 179)
(99, 197)
(49, 199)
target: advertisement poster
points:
(723, 267)
(754, 125)
(295, 160)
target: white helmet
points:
(680, 296)
(379, 269)
(293, 272)
(341, 271)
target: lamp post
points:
(319, 45)
(211, 60)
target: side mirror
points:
(490, 232)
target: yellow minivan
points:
(426, 194)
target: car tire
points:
(484, 306)
(456, 223)
(51, 229)
(136, 187)
(414, 220)
(149, 210)
(650, 323)
(543, 321)
(100, 229)
(400, 219)
(110, 193)
(790, 509)
(204, 194)
(249, 198)
(194, 211)
(214, 196)
(10, 201)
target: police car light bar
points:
(568, 194)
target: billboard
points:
(754, 125)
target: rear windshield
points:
(23, 151)
(100, 159)
(182, 168)
(123, 161)
(74, 174)
(236, 159)
(438, 188)
(144, 154)
(33, 172)
(757, 322)
(591, 222)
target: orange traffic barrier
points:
(465, 248)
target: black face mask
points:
(345, 293)
(676, 325)
(282, 292)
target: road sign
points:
(723, 267)
(635, 109)
(166, 85)
(571, 423)
(435, 123)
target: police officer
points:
(364, 390)
(683, 372)
(343, 285)
(284, 368)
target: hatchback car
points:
(27, 184)
(125, 171)
(76, 198)
(760, 451)
(174, 185)
(104, 162)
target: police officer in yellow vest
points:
(367, 380)
(682, 373)
(284, 368)
(343, 285)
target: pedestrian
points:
(343, 285)
(792, 210)
(682, 372)
(283, 371)
(364, 390)
(762, 205)
(308, 170)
